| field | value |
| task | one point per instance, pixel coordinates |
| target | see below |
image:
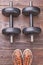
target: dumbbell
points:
(11, 12)
(31, 11)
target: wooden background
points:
(21, 42)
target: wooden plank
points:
(6, 56)
(5, 45)
(21, 42)
(21, 21)
(22, 2)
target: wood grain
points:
(22, 2)
(21, 42)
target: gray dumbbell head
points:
(33, 10)
(31, 30)
(11, 31)
(13, 11)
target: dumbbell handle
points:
(31, 16)
(11, 25)
(31, 21)
(11, 39)
(11, 4)
(11, 22)
(11, 17)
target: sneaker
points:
(27, 57)
(17, 57)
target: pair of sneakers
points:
(20, 58)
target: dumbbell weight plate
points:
(31, 30)
(14, 11)
(31, 10)
(11, 31)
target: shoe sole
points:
(17, 57)
(27, 57)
